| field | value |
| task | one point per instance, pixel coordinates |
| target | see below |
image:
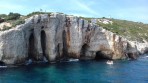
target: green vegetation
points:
(13, 16)
(17, 22)
(2, 17)
(88, 19)
(16, 18)
(10, 16)
(13, 23)
(135, 31)
(38, 12)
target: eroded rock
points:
(58, 37)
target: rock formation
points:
(57, 36)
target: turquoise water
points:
(121, 71)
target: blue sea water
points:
(122, 71)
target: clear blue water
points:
(122, 71)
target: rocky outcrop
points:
(58, 36)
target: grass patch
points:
(135, 31)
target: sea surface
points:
(122, 71)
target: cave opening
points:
(132, 55)
(100, 56)
(43, 43)
(84, 50)
(31, 48)
(2, 63)
(65, 49)
(146, 50)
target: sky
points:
(134, 10)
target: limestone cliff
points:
(57, 36)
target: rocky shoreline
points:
(58, 36)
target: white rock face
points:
(59, 36)
(12, 46)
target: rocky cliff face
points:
(59, 36)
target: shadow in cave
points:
(65, 49)
(2, 63)
(43, 45)
(83, 51)
(43, 42)
(31, 47)
(100, 56)
(146, 50)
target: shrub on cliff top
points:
(10, 16)
(13, 16)
(3, 16)
(17, 22)
(37, 12)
